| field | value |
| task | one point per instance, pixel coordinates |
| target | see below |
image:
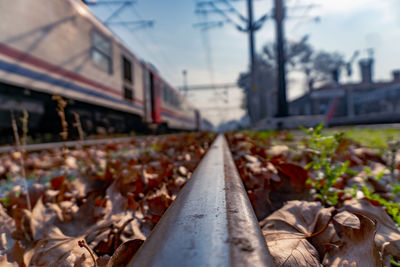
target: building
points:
(362, 100)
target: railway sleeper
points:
(211, 222)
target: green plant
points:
(394, 146)
(393, 262)
(392, 208)
(322, 150)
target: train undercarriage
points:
(44, 123)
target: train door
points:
(146, 95)
(155, 99)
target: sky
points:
(220, 54)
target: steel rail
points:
(69, 144)
(211, 222)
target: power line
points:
(117, 12)
(213, 86)
(304, 17)
(152, 38)
(132, 26)
(247, 25)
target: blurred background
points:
(340, 55)
(221, 64)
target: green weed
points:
(391, 207)
(322, 150)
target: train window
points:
(101, 52)
(127, 69)
(128, 93)
(165, 94)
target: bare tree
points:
(318, 67)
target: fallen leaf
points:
(35, 224)
(5, 263)
(358, 247)
(390, 249)
(60, 250)
(297, 174)
(7, 226)
(286, 231)
(386, 229)
(347, 219)
(116, 203)
(277, 150)
(125, 253)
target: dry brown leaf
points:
(347, 219)
(60, 250)
(277, 150)
(116, 203)
(5, 263)
(287, 229)
(7, 226)
(81, 221)
(124, 253)
(40, 220)
(386, 229)
(390, 249)
(358, 247)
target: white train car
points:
(58, 47)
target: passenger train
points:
(58, 47)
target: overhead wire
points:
(161, 50)
(208, 54)
(215, 9)
(303, 17)
(158, 59)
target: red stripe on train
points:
(32, 60)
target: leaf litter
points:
(322, 199)
(92, 206)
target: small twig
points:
(120, 230)
(21, 159)
(83, 244)
(321, 230)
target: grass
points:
(373, 138)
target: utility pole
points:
(185, 85)
(250, 27)
(279, 17)
(253, 91)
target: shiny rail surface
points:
(211, 222)
(69, 144)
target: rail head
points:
(211, 222)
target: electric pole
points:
(253, 91)
(246, 25)
(279, 17)
(185, 85)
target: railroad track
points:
(211, 222)
(69, 144)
